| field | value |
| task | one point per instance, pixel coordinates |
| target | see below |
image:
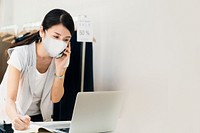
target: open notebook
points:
(46, 127)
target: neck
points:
(41, 52)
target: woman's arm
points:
(12, 89)
(19, 122)
(58, 88)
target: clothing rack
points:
(11, 28)
(31, 26)
(16, 29)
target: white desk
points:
(54, 124)
(57, 124)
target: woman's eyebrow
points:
(60, 35)
(68, 37)
(57, 33)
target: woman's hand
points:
(57, 90)
(21, 122)
(62, 61)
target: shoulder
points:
(22, 56)
(21, 50)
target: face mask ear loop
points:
(46, 34)
(45, 31)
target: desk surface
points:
(51, 125)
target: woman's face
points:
(58, 32)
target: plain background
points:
(148, 48)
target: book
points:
(35, 129)
(45, 127)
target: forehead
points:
(59, 28)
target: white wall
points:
(1, 11)
(6, 12)
(150, 48)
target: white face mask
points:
(53, 47)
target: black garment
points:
(7, 128)
(37, 118)
(72, 84)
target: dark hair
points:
(53, 17)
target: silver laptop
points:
(96, 112)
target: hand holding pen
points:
(21, 122)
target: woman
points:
(36, 68)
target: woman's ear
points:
(41, 32)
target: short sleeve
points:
(16, 59)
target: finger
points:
(17, 126)
(28, 118)
(19, 123)
(69, 45)
(68, 51)
(67, 54)
(25, 120)
(68, 48)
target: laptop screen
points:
(96, 111)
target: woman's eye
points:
(66, 40)
(56, 37)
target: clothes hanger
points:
(9, 38)
(3, 34)
(8, 35)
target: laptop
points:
(96, 112)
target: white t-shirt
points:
(37, 94)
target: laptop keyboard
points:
(65, 130)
